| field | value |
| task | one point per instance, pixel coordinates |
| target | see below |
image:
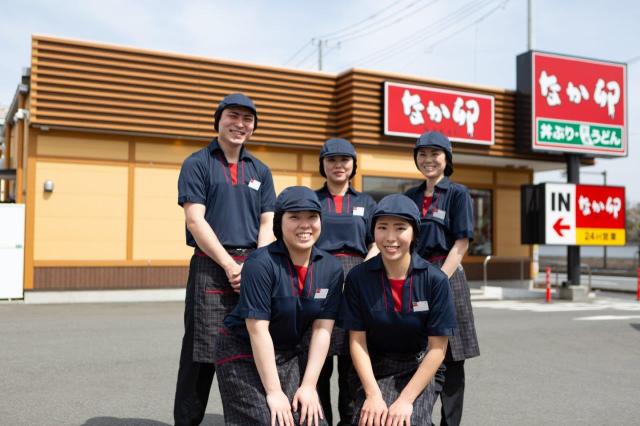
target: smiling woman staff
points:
(447, 228)
(346, 215)
(399, 312)
(290, 289)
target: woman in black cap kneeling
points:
(399, 313)
(446, 230)
(289, 289)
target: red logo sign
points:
(411, 110)
(600, 206)
(578, 105)
(582, 90)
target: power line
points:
(297, 53)
(412, 13)
(476, 22)
(313, 52)
(425, 32)
(353, 32)
(464, 28)
(348, 27)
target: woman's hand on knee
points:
(310, 407)
(280, 409)
(374, 411)
(400, 413)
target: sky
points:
(457, 40)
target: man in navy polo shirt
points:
(228, 200)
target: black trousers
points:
(194, 380)
(345, 398)
(452, 394)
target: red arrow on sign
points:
(559, 227)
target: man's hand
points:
(233, 270)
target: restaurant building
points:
(96, 134)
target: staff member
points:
(228, 200)
(346, 215)
(290, 289)
(399, 313)
(447, 228)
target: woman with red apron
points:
(445, 233)
(399, 313)
(274, 343)
(346, 215)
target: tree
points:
(633, 223)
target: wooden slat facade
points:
(105, 88)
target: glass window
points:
(483, 227)
(378, 187)
(482, 199)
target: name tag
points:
(321, 293)
(420, 306)
(439, 214)
(254, 184)
(358, 211)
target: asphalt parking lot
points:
(116, 364)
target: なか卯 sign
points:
(577, 105)
(411, 110)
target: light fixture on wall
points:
(48, 185)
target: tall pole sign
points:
(576, 105)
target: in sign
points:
(560, 227)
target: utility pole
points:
(573, 252)
(319, 43)
(604, 177)
(529, 24)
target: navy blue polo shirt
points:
(427, 306)
(232, 211)
(449, 218)
(348, 231)
(269, 291)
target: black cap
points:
(438, 141)
(337, 146)
(397, 205)
(239, 100)
(297, 199)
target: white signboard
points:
(11, 250)
(560, 215)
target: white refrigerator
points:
(11, 251)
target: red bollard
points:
(547, 296)
(638, 291)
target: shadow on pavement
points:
(635, 326)
(209, 420)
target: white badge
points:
(321, 293)
(420, 306)
(439, 214)
(358, 211)
(254, 184)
